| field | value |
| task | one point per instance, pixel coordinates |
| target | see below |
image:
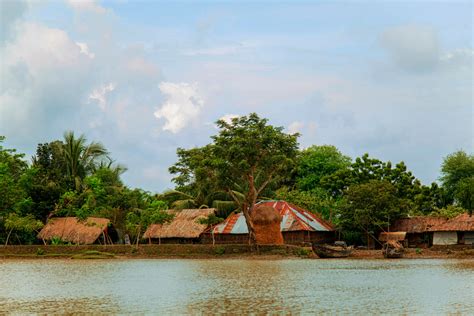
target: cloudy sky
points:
(393, 79)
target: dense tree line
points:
(247, 160)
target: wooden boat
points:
(337, 250)
(392, 249)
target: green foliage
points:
(370, 206)
(39, 252)
(317, 200)
(210, 220)
(317, 162)
(139, 219)
(455, 168)
(25, 224)
(219, 250)
(449, 211)
(464, 193)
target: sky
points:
(393, 79)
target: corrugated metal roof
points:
(294, 218)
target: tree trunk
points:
(247, 210)
(8, 237)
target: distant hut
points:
(76, 231)
(297, 225)
(418, 229)
(183, 229)
(456, 231)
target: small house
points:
(418, 229)
(456, 231)
(183, 229)
(93, 230)
(298, 226)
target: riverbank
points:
(198, 251)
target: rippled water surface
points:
(237, 286)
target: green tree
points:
(81, 158)
(456, 170)
(139, 219)
(464, 193)
(26, 224)
(248, 156)
(370, 207)
(317, 162)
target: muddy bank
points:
(206, 251)
(149, 251)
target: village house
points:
(93, 230)
(298, 226)
(417, 229)
(456, 231)
(183, 229)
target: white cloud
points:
(85, 50)
(87, 5)
(182, 105)
(100, 94)
(295, 127)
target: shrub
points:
(39, 252)
(219, 250)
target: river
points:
(161, 286)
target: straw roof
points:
(184, 224)
(392, 236)
(417, 224)
(462, 222)
(74, 230)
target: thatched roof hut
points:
(463, 222)
(185, 224)
(74, 230)
(417, 224)
(392, 236)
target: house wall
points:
(420, 240)
(445, 238)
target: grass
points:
(93, 254)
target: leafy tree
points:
(139, 219)
(316, 162)
(248, 155)
(27, 224)
(457, 172)
(449, 211)
(81, 158)
(211, 220)
(464, 193)
(370, 207)
(316, 200)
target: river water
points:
(160, 286)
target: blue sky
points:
(393, 79)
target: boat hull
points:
(329, 251)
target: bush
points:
(418, 251)
(219, 250)
(304, 252)
(39, 252)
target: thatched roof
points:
(392, 236)
(462, 222)
(184, 225)
(74, 230)
(417, 224)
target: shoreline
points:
(198, 251)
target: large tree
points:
(81, 158)
(248, 156)
(457, 172)
(317, 162)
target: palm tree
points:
(81, 158)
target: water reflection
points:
(237, 286)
